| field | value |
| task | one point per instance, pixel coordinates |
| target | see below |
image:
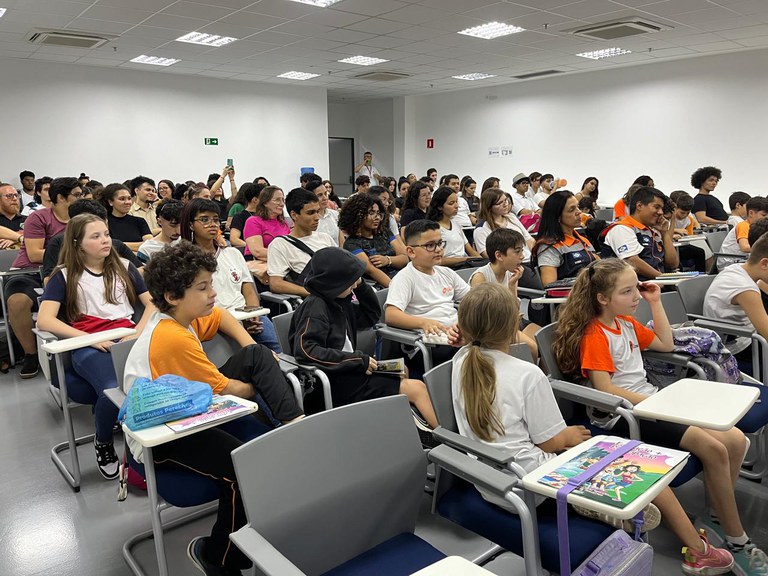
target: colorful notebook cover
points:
(219, 409)
(624, 479)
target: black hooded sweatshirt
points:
(322, 322)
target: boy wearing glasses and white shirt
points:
(422, 295)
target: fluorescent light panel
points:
(491, 30)
(155, 60)
(474, 76)
(293, 75)
(319, 3)
(604, 53)
(206, 39)
(363, 60)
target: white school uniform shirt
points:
(481, 235)
(231, 272)
(427, 295)
(525, 405)
(284, 257)
(462, 216)
(454, 241)
(733, 220)
(540, 196)
(329, 224)
(718, 302)
(524, 202)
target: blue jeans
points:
(96, 370)
(268, 337)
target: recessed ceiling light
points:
(2, 11)
(205, 39)
(155, 60)
(474, 76)
(604, 53)
(363, 60)
(492, 30)
(319, 3)
(293, 75)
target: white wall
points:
(665, 119)
(371, 124)
(114, 124)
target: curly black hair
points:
(173, 269)
(355, 210)
(702, 174)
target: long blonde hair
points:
(72, 259)
(579, 310)
(488, 317)
(488, 200)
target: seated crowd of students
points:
(188, 256)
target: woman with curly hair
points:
(369, 238)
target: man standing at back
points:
(39, 228)
(366, 168)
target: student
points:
(442, 209)
(324, 334)
(369, 239)
(542, 189)
(41, 198)
(737, 202)
(523, 205)
(560, 251)
(695, 253)
(589, 189)
(260, 229)
(54, 247)
(644, 238)
(432, 178)
(232, 280)
(165, 189)
(329, 218)
(490, 182)
(179, 279)
(506, 402)
(11, 221)
(132, 230)
(422, 295)
(598, 339)
(21, 291)
(735, 297)
(362, 183)
(288, 255)
(217, 190)
(27, 190)
(707, 208)
(469, 204)
(388, 216)
(737, 239)
(236, 224)
(144, 198)
(168, 215)
(403, 186)
(91, 291)
(620, 209)
(416, 204)
(505, 267)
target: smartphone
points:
(248, 308)
(230, 162)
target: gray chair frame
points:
(404, 337)
(7, 258)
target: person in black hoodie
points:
(324, 329)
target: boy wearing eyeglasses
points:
(422, 295)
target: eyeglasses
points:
(205, 221)
(76, 194)
(10, 196)
(431, 246)
(374, 214)
(502, 202)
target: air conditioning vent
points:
(382, 76)
(68, 38)
(537, 74)
(616, 29)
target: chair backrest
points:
(604, 214)
(544, 338)
(6, 259)
(466, 273)
(119, 353)
(438, 381)
(354, 479)
(220, 348)
(282, 324)
(673, 306)
(381, 296)
(715, 239)
(692, 293)
(521, 351)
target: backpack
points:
(292, 276)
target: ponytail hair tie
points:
(475, 342)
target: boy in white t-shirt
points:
(422, 295)
(288, 256)
(737, 202)
(735, 297)
(737, 239)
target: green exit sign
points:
(211, 141)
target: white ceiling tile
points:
(115, 14)
(98, 26)
(363, 49)
(385, 42)
(587, 8)
(97, 62)
(334, 18)
(748, 32)
(151, 5)
(25, 19)
(457, 6)
(418, 33)
(302, 28)
(369, 7)
(414, 14)
(500, 12)
(234, 4)
(52, 57)
(216, 74)
(175, 22)
(277, 38)
(226, 29)
(195, 10)
(722, 46)
(252, 20)
(377, 26)
(756, 41)
(283, 9)
(344, 35)
(60, 7)
(671, 52)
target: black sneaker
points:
(30, 367)
(196, 553)
(424, 429)
(107, 460)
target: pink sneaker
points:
(713, 561)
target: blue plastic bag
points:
(170, 397)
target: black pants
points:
(692, 257)
(208, 452)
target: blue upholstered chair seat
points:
(399, 556)
(464, 505)
(757, 417)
